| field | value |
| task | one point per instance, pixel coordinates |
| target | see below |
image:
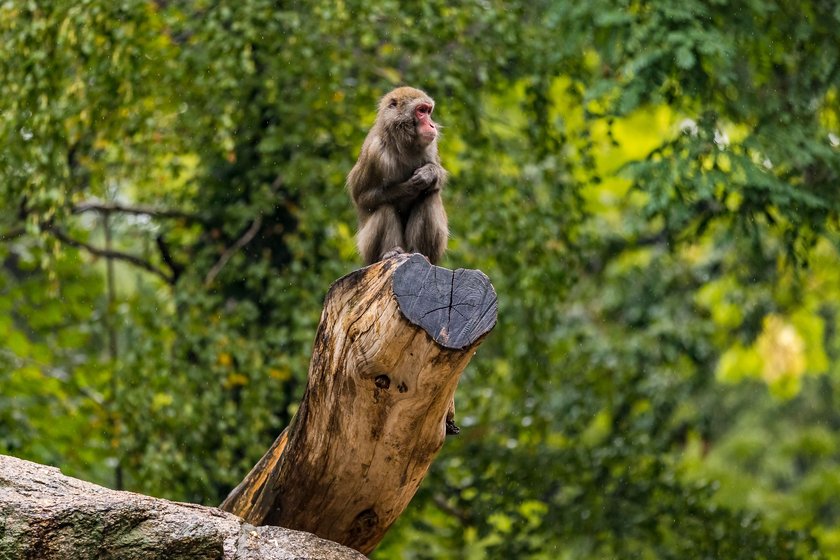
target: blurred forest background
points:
(653, 188)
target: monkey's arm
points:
(431, 176)
(427, 178)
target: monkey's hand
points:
(426, 178)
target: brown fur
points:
(396, 183)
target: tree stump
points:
(393, 340)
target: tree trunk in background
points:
(393, 340)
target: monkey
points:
(397, 180)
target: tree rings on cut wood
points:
(455, 308)
(393, 340)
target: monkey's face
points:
(426, 129)
(409, 110)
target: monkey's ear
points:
(393, 102)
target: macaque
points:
(396, 183)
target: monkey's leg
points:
(395, 251)
(427, 230)
(381, 232)
(451, 428)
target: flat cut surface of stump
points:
(455, 308)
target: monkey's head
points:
(406, 113)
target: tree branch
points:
(230, 251)
(616, 245)
(112, 207)
(176, 268)
(118, 255)
(443, 504)
(12, 234)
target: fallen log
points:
(46, 515)
(393, 340)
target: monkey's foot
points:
(396, 250)
(451, 428)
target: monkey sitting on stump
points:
(396, 183)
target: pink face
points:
(426, 130)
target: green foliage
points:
(651, 186)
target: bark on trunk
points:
(393, 340)
(46, 515)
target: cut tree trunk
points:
(393, 340)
